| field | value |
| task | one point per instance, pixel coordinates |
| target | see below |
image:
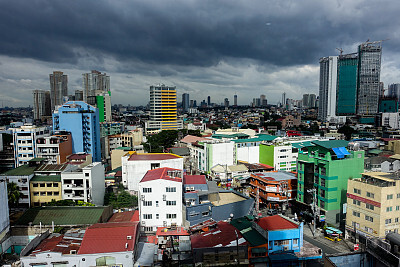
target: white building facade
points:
(160, 199)
(86, 184)
(135, 166)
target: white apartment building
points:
(160, 199)
(55, 148)
(135, 166)
(85, 184)
(24, 139)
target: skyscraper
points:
(368, 83)
(346, 94)
(226, 102)
(185, 102)
(163, 112)
(235, 100)
(263, 101)
(58, 88)
(209, 101)
(82, 120)
(327, 88)
(394, 90)
(284, 100)
(95, 83)
(41, 104)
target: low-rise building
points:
(55, 149)
(44, 189)
(373, 207)
(160, 199)
(135, 165)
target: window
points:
(322, 182)
(171, 216)
(171, 203)
(147, 216)
(388, 209)
(356, 225)
(398, 195)
(389, 197)
(357, 202)
(56, 193)
(147, 203)
(157, 216)
(295, 242)
(369, 218)
(397, 207)
(154, 165)
(369, 206)
(35, 185)
(146, 189)
(205, 213)
(170, 189)
(49, 184)
(55, 184)
(42, 193)
(49, 193)
(355, 213)
(35, 193)
(86, 174)
(371, 195)
(388, 221)
(396, 220)
(156, 203)
(357, 191)
(42, 185)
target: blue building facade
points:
(82, 120)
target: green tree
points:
(347, 131)
(126, 200)
(13, 194)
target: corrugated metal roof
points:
(331, 143)
(153, 156)
(194, 179)
(161, 173)
(276, 222)
(20, 171)
(48, 178)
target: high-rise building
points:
(368, 82)
(226, 102)
(346, 90)
(327, 88)
(78, 95)
(41, 104)
(394, 90)
(263, 101)
(309, 100)
(95, 83)
(185, 102)
(82, 120)
(163, 110)
(58, 88)
(209, 101)
(284, 100)
(235, 100)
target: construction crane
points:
(341, 50)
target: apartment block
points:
(373, 205)
(44, 189)
(55, 148)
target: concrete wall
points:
(96, 182)
(238, 209)
(249, 154)
(350, 260)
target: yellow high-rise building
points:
(163, 109)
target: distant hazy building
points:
(185, 102)
(309, 100)
(226, 102)
(263, 101)
(95, 83)
(78, 95)
(58, 88)
(235, 100)
(394, 90)
(41, 104)
(284, 100)
(209, 101)
(256, 102)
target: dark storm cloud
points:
(199, 33)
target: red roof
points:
(109, 237)
(276, 222)
(77, 156)
(126, 216)
(188, 139)
(60, 243)
(161, 173)
(194, 179)
(152, 239)
(222, 235)
(164, 231)
(153, 156)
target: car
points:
(272, 212)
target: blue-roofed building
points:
(82, 120)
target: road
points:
(326, 249)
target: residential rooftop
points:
(153, 156)
(276, 175)
(194, 179)
(163, 173)
(24, 170)
(46, 178)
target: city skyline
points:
(213, 49)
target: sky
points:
(206, 47)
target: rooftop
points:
(244, 225)
(62, 215)
(51, 168)
(276, 175)
(163, 173)
(126, 216)
(23, 170)
(194, 179)
(153, 156)
(188, 139)
(227, 198)
(165, 231)
(329, 144)
(80, 156)
(276, 222)
(109, 237)
(224, 235)
(46, 178)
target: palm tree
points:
(13, 194)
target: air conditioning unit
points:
(143, 197)
(164, 197)
(129, 237)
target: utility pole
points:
(237, 247)
(314, 206)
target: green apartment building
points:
(327, 166)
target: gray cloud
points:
(204, 47)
